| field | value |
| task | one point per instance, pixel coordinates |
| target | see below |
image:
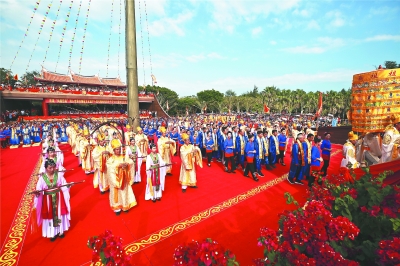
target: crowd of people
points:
(114, 152)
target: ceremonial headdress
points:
(100, 137)
(128, 126)
(184, 136)
(294, 125)
(139, 129)
(309, 124)
(115, 144)
(86, 132)
(352, 136)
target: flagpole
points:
(131, 63)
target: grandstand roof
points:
(76, 79)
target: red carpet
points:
(235, 224)
(16, 168)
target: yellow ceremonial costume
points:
(142, 142)
(391, 142)
(349, 152)
(120, 180)
(128, 135)
(166, 148)
(100, 158)
(190, 155)
(85, 152)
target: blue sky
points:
(199, 45)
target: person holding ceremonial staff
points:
(167, 149)
(190, 155)
(52, 206)
(133, 152)
(100, 157)
(120, 177)
(155, 169)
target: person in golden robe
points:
(100, 157)
(86, 146)
(349, 152)
(166, 148)
(120, 177)
(391, 141)
(190, 156)
(132, 151)
(142, 142)
(128, 134)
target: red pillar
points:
(45, 108)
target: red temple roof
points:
(112, 81)
(72, 79)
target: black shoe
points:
(290, 181)
(154, 200)
(169, 173)
(283, 164)
(118, 213)
(102, 192)
(53, 239)
(159, 199)
(260, 174)
(247, 175)
(126, 211)
(255, 178)
(80, 164)
(233, 172)
(273, 166)
(183, 190)
(61, 236)
(298, 182)
(194, 187)
(268, 167)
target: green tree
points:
(29, 77)
(189, 102)
(391, 64)
(210, 98)
(163, 96)
(230, 93)
(7, 77)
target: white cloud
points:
(256, 31)
(202, 56)
(303, 13)
(273, 42)
(229, 14)
(336, 19)
(322, 45)
(313, 25)
(168, 25)
(383, 38)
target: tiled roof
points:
(55, 77)
(86, 79)
(112, 81)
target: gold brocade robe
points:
(120, 180)
(166, 151)
(100, 167)
(190, 155)
(128, 136)
(85, 151)
(349, 156)
(143, 144)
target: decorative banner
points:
(85, 101)
(40, 31)
(375, 97)
(51, 33)
(119, 32)
(84, 35)
(63, 32)
(109, 36)
(73, 36)
(26, 32)
(319, 110)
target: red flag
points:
(16, 77)
(319, 110)
(266, 109)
